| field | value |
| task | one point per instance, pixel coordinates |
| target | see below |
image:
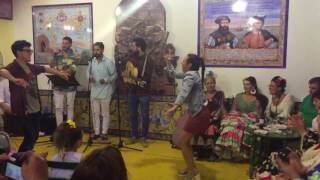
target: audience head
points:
(66, 43)
(316, 99)
(277, 86)
(138, 45)
(314, 85)
(193, 62)
(169, 52)
(67, 137)
(101, 164)
(210, 82)
(98, 49)
(21, 50)
(250, 85)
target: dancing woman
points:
(191, 94)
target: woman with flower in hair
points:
(67, 138)
(247, 107)
(281, 103)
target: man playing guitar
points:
(138, 76)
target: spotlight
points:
(239, 6)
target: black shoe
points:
(105, 138)
(95, 137)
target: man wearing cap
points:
(222, 38)
(259, 38)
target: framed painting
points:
(53, 22)
(6, 9)
(243, 33)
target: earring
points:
(253, 91)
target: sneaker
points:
(131, 140)
(144, 142)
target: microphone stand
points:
(51, 99)
(120, 144)
(90, 140)
(50, 140)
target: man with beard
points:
(222, 38)
(65, 60)
(139, 91)
(102, 74)
(258, 37)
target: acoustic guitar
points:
(130, 75)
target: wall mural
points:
(243, 33)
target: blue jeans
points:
(134, 102)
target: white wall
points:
(302, 53)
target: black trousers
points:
(31, 127)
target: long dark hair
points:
(262, 99)
(196, 63)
